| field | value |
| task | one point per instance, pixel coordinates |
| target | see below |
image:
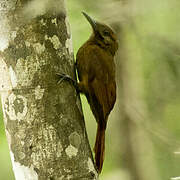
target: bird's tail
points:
(99, 148)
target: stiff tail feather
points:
(99, 148)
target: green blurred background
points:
(143, 134)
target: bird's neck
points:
(97, 41)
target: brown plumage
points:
(96, 72)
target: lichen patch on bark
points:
(5, 79)
(75, 139)
(71, 151)
(39, 92)
(27, 68)
(68, 44)
(4, 42)
(16, 107)
(4, 34)
(55, 41)
(67, 26)
(42, 22)
(13, 35)
(91, 166)
(69, 177)
(23, 172)
(39, 48)
(28, 44)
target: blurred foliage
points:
(6, 167)
(152, 45)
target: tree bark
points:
(43, 120)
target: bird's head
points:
(103, 34)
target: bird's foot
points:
(65, 77)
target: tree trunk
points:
(43, 120)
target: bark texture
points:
(43, 120)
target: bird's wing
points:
(102, 87)
(105, 94)
(94, 63)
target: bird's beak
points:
(91, 21)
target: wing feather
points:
(105, 95)
(101, 90)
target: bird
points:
(96, 73)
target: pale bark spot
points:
(59, 149)
(13, 35)
(5, 31)
(48, 150)
(39, 48)
(26, 68)
(23, 67)
(71, 151)
(91, 166)
(61, 178)
(4, 42)
(69, 177)
(23, 172)
(54, 21)
(5, 81)
(13, 77)
(22, 143)
(67, 25)
(69, 45)
(55, 41)
(42, 22)
(21, 155)
(8, 136)
(39, 92)
(27, 44)
(10, 107)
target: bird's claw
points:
(63, 77)
(67, 78)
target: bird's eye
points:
(106, 33)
